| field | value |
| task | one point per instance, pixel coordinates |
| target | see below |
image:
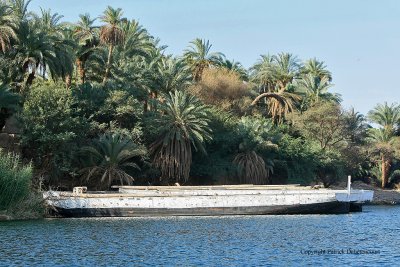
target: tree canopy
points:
(104, 85)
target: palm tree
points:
(137, 41)
(273, 75)
(251, 166)
(184, 124)
(8, 25)
(172, 74)
(43, 47)
(317, 69)
(387, 116)
(110, 158)
(20, 9)
(356, 125)
(287, 68)
(278, 104)
(316, 89)
(86, 35)
(199, 57)
(111, 34)
(48, 24)
(33, 49)
(383, 140)
(138, 53)
(263, 74)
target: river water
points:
(358, 239)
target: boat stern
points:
(356, 196)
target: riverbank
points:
(30, 208)
(381, 196)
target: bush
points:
(52, 128)
(216, 167)
(297, 162)
(123, 109)
(88, 101)
(105, 108)
(15, 180)
(325, 124)
(224, 89)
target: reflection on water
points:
(234, 240)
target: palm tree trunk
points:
(44, 70)
(30, 78)
(145, 106)
(153, 96)
(108, 66)
(80, 65)
(384, 170)
(267, 95)
(68, 81)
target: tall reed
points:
(15, 180)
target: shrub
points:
(324, 123)
(105, 108)
(297, 161)
(224, 89)
(216, 167)
(122, 108)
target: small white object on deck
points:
(78, 190)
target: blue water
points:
(216, 241)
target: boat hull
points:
(203, 201)
(333, 207)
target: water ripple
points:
(194, 241)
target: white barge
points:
(132, 201)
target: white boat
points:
(131, 201)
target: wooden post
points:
(349, 184)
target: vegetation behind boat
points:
(98, 102)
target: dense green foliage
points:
(52, 129)
(101, 102)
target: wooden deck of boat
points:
(185, 191)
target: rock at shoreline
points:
(4, 217)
